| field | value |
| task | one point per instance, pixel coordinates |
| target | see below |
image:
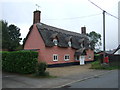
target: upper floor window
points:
(81, 45)
(69, 43)
(55, 41)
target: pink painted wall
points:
(35, 41)
(90, 55)
(46, 54)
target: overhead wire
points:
(87, 16)
(103, 10)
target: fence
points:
(114, 59)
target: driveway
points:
(66, 75)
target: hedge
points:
(23, 62)
(96, 57)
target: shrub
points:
(23, 62)
(41, 69)
(97, 57)
(98, 65)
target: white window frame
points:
(70, 43)
(55, 41)
(55, 57)
(82, 45)
(67, 56)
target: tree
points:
(0, 35)
(10, 36)
(5, 35)
(14, 33)
(95, 40)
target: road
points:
(108, 80)
(91, 78)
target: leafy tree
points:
(14, 33)
(5, 35)
(95, 40)
(10, 36)
(0, 35)
(24, 41)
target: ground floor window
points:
(67, 57)
(55, 57)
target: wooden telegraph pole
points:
(104, 34)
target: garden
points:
(113, 63)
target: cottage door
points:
(82, 60)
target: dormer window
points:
(81, 45)
(69, 43)
(55, 41)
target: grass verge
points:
(98, 65)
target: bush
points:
(41, 69)
(97, 57)
(23, 62)
(98, 65)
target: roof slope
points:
(48, 33)
(116, 49)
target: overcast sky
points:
(66, 14)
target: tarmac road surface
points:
(108, 80)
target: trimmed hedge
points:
(23, 62)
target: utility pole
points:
(103, 34)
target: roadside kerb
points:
(82, 79)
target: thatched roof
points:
(48, 33)
(118, 48)
(80, 51)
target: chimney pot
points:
(83, 30)
(36, 18)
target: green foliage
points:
(5, 35)
(95, 39)
(0, 35)
(98, 65)
(10, 35)
(14, 33)
(41, 69)
(23, 62)
(97, 57)
(20, 47)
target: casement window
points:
(69, 43)
(67, 57)
(55, 41)
(55, 57)
(81, 45)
